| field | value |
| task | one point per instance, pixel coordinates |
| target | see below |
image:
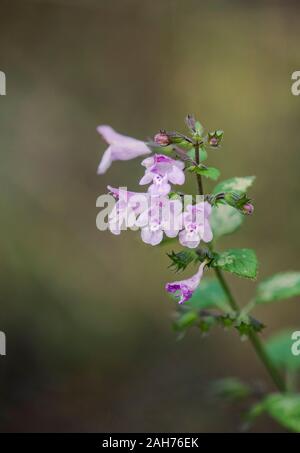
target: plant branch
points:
(254, 338)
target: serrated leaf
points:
(278, 286)
(241, 262)
(279, 349)
(285, 409)
(239, 183)
(208, 172)
(225, 220)
(182, 259)
(210, 294)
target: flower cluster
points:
(154, 212)
(161, 211)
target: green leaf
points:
(203, 154)
(285, 409)
(231, 389)
(279, 350)
(225, 220)
(248, 325)
(279, 286)
(199, 129)
(210, 294)
(239, 183)
(186, 320)
(208, 172)
(242, 262)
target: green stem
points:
(199, 178)
(230, 297)
(254, 338)
(265, 358)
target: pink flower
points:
(120, 147)
(128, 206)
(196, 225)
(185, 288)
(160, 170)
(163, 216)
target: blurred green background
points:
(90, 345)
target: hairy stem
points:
(254, 338)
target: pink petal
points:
(143, 219)
(146, 179)
(159, 189)
(207, 235)
(176, 176)
(156, 237)
(189, 241)
(108, 134)
(106, 162)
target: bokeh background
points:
(90, 345)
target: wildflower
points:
(120, 147)
(128, 206)
(185, 288)
(163, 216)
(196, 225)
(160, 170)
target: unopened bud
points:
(162, 138)
(213, 141)
(214, 138)
(191, 123)
(248, 209)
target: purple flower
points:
(160, 170)
(185, 288)
(120, 147)
(128, 206)
(196, 225)
(163, 216)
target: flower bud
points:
(248, 209)
(162, 138)
(191, 123)
(214, 138)
(213, 141)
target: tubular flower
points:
(196, 225)
(120, 147)
(128, 206)
(160, 170)
(185, 288)
(163, 216)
